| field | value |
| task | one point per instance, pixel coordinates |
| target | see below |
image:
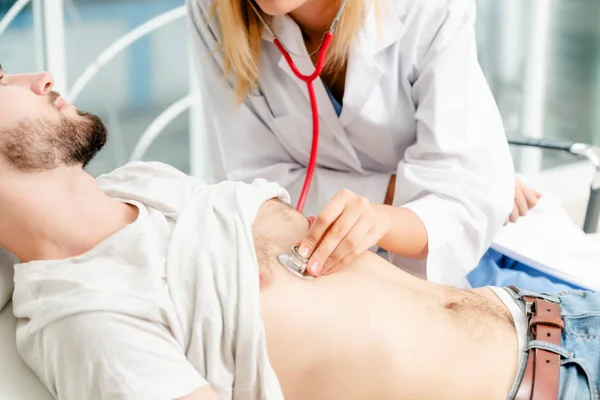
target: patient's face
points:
(39, 130)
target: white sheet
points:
(548, 240)
(17, 381)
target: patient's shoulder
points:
(276, 219)
(153, 184)
(140, 169)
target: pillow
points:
(7, 262)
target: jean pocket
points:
(576, 381)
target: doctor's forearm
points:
(407, 235)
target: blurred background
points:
(541, 58)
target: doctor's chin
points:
(299, 199)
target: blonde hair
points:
(241, 32)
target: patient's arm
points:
(105, 355)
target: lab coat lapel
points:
(365, 65)
(362, 77)
(291, 37)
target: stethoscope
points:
(309, 80)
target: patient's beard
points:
(37, 145)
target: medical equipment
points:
(295, 264)
(309, 80)
(592, 154)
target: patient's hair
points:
(463, 304)
(276, 228)
(263, 257)
(36, 145)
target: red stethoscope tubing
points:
(309, 80)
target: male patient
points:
(148, 284)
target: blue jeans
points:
(496, 269)
(580, 347)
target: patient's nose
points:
(42, 83)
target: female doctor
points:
(412, 152)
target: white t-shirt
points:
(165, 306)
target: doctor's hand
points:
(525, 199)
(346, 228)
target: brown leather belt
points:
(542, 373)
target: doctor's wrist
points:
(406, 234)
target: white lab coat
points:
(416, 104)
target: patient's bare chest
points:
(275, 230)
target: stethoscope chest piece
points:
(295, 264)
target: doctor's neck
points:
(56, 214)
(314, 18)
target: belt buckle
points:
(529, 308)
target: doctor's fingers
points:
(343, 202)
(353, 245)
(370, 240)
(331, 240)
(521, 201)
(320, 225)
(514, 215)
(531, 196)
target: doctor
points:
(412, 152)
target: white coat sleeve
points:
(459, 176)
(246, 147)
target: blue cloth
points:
(336, 104)
(496, 269)
(579, 355)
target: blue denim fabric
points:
(496, 269)
(580, 347)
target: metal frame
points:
(55, 51)
(12, 14)
(121, 44)
(589, 152)
(50, 35)
(534, 89)
(158, 125)
(51, 47)
(201, 158)
(38, 32)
